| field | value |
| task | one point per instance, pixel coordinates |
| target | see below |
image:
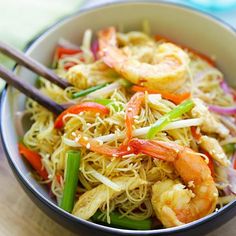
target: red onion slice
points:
(223, 110)
(227, 191)
(225, 87)
(95, 48)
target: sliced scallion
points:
(229, 148)
(108, 102)
(87, 91)
(103, 101)
(169, 117)
(71, 180)
(122, 222)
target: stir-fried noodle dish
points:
(147, 138)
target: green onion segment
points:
(87, 91)
(123, 222)
(169, 117)
(71, 180)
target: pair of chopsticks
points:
(28, 89)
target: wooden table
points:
(19, 216)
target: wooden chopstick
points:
(30, 91)
(33, 65)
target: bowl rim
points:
(55, 209)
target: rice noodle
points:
(202, 81)
(104, 180)
(143, 131)
(104, 92)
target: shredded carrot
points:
(204, 57)
(59, 178)
(176, 98)
(196, 135)
(210, 162)
(34, 159)
(60, 52)
(159, 37)
(211, 166)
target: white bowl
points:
(184, 25)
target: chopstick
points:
(33, 65)
(30, 91)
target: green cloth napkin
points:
(21, 20)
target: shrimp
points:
(175, 203)
(168, 71)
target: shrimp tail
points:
(157, 149)
(106, 38)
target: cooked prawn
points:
(168, 71)
(106, 37)
(174, 203)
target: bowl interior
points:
(183, 25)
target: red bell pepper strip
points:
(34, 159)
(176, 98)
(60, 52)
(132, 109)
(86, 106)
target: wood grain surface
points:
(19, 216)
